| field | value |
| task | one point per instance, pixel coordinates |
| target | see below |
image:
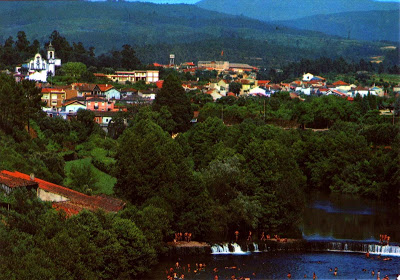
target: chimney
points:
(32, 176)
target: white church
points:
(38, 68)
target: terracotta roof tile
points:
(77, 201)
(15, 181)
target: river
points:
(337, 229)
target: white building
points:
(74, 106)
(257, 91)
(122, 77)
(363, 91)
(38, 68)
(307, 77)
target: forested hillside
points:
(268, 10)
(370, 25)
(189, 32)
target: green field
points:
(105, 183)
(390, 78)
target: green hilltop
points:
(367, 25)
(190, 32)
(268, 10)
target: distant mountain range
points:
(370, 25)
(189, 31)
(361, 19)
(106, 25)
(273, 10)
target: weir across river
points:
(307, 246)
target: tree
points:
(81, 177)
(74, 69)
(173, 96)
(19, 102)
(129, 60)
(22, 45)
(235, 87)
(149, 163)
(203, 138)
(84, 124)
(64, 49)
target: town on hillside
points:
(116, 93)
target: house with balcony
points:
(53, 99)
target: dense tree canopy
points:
(173, 96)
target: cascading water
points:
(384, 250)
(357, 247)
(225, 249)
(238, 250)
(256, 248)
(218, 249)
(338, 246)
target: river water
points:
(337, 217)
(347, 226)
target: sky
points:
(195, 1)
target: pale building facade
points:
(38, 68)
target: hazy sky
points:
(195, 1)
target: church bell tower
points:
(51, 59)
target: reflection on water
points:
(343, 217)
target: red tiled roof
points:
(340, 83)
(77, 201)
(73, 101)
(15, 181)
(159, 83)
(361, 88)
(52, 90)
(105, 87)
(99, 75)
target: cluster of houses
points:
(309, 85)
(105, 100)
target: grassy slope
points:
(105, 183)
